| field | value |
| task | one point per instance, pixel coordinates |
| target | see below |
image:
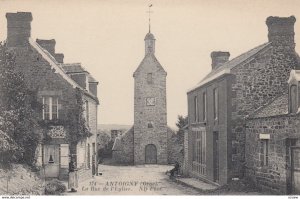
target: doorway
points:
(150, 154)
(295, 161)
(51, 161)
(216, 156)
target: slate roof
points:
(151, 58)
(226, 67)
(78, 68)
(59, 68)
(279, 106)
(73, 68)
(149, 36)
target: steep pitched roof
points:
(78, 68)
(226, 67)
(58, 67)
(74, 68)
(150, 57)
(279, 106)
(53, 63)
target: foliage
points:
(77, 126)
(18, 108)
(55, 187)
(182, 122)
(106, 151)
(102, 139)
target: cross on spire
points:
(149, 12)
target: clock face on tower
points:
(150, 101)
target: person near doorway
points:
(73, 179)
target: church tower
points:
(150, 109)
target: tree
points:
(18, 110)
(182, 122)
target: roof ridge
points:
(227, 66)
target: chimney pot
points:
(219, 58)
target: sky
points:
(107, 37)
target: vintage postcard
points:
(149, 97)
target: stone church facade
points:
(60, 89)
(220, 104)
(147, 141)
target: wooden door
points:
(51, 160)
(295, 170)
(150, 154)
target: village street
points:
(129, 180)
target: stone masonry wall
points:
(156, 114)
(275, 177)
(39, 76)
(257, 81)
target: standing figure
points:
(73, 179)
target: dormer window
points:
(50, 108)
(293, 99)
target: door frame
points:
(292, 167)
(155, 153)
(216, 163)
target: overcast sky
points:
(107, 37)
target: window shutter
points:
(64, 155)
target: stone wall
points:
(257, 82)
(143, 114)
(40, 78)
(123, 149)
(274, 177)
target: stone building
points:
(219, 104)
(114, 133)
(146, 142)
(273, 142)
(67, 94)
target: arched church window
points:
(293, 99)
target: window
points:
(196, 113)
(149, 78)
(204, 106)
(87, 112)
(215, 103)
(50, 108)
(293, 99)
(265, 152)
(150, 125)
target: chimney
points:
(48, 45)
(218, 58)
(59, 57)
(281, 31)
(18, 29)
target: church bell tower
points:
(150, 108)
